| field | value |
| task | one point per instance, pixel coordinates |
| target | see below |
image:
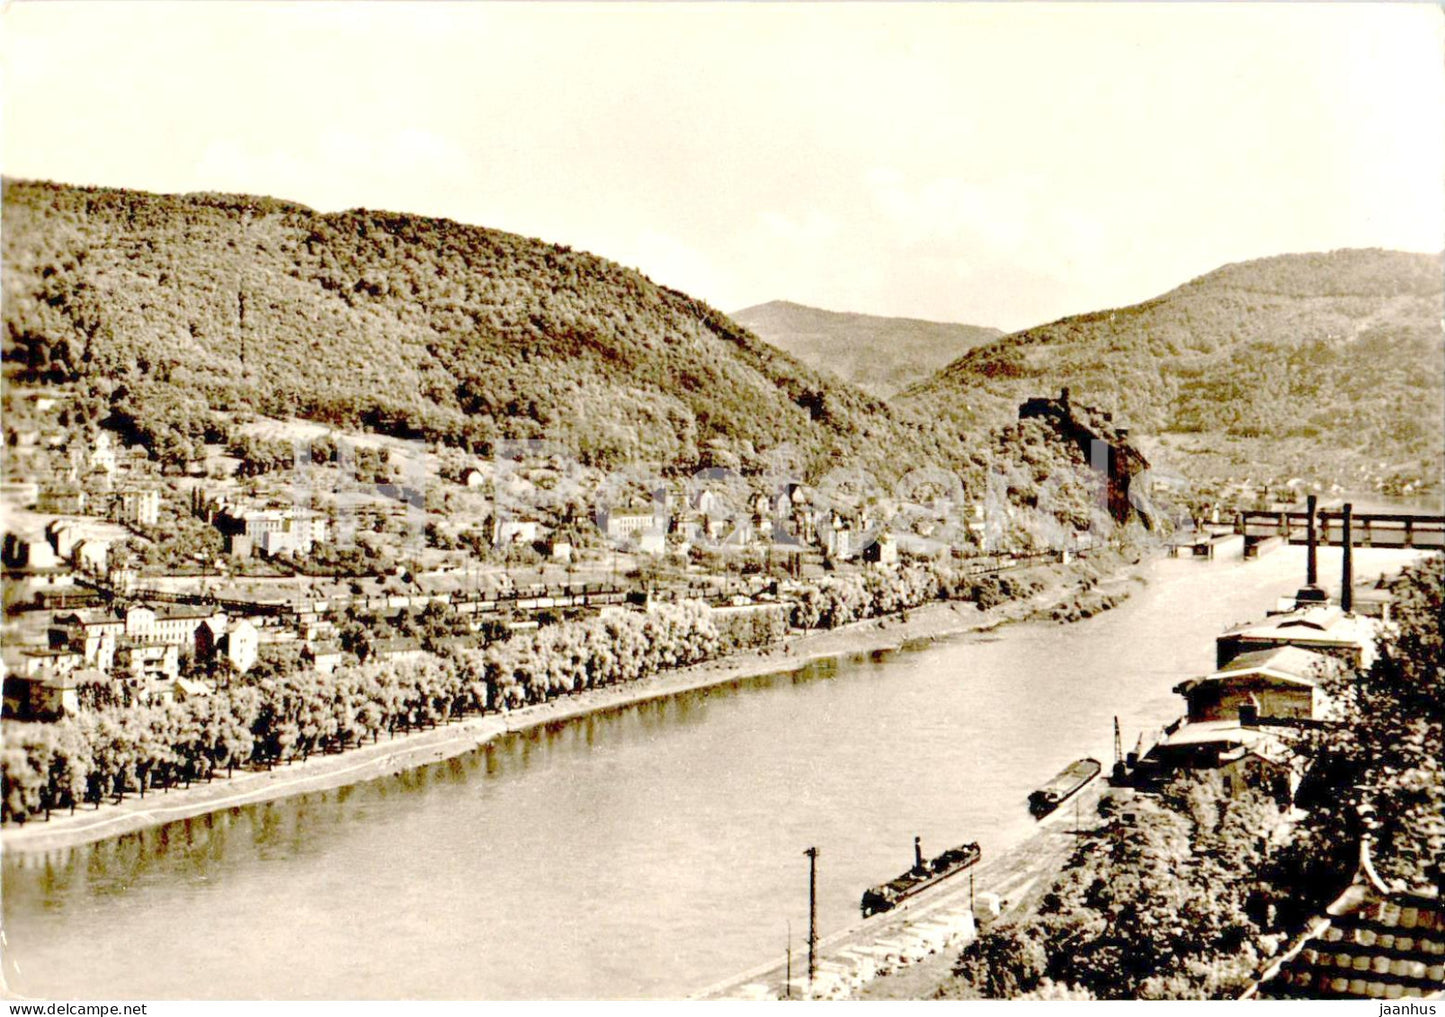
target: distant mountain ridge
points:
(881, 355)
(1278, 364)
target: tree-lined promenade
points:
(109, 753)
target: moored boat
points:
(888, 895)
(1067, 783)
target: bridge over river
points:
(1367, 529)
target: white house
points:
(242, 645)
(516, 531)
(102, 454)
(176, 627)
(623, 523)
(137, 506)
(91, 555)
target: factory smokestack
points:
(1347, 573)
(1312, 572)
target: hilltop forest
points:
(178, 314)
(1297, 362)
(173, 307)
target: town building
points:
(86, 631)
(62, 500)
(48, 695)
(102, 454)
(1323, 628)
(39, 661)
(838, 538)
(706, 502)
(188, 688)
(1242, 720)
(515, 531)
(50, 589)
(311, 627)
(1238, 756)
(1278, 684)
(91, 555)
(242, 646)
(883, 551)
(258, 524)
(208, 637)
(122, 580)
(137, 507)
(730, 534)
(62, 536)
(32, 551)
(690, 527)
(397, 650)
(249, 528)
(297, 533)
(176, 625)
(144, 667)
(324, 658)
(19, 493)
(621, 524)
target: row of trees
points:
(112, 751)
(839, 599)
(91, 756)
(267, 455)
(281, 717)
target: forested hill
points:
(175, 306)
(1297, 355)
(878, 354)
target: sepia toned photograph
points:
(717, 501)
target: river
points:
(645, 852)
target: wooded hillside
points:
(1337, 353)
(172, 307)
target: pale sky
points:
(993, 164)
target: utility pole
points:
(1347, 575)
(812, 854)
(788, 985)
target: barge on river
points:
(923, 875)
(1070, 781)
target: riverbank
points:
(903, 957)
(1058, 585)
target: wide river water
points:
(646, 852)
